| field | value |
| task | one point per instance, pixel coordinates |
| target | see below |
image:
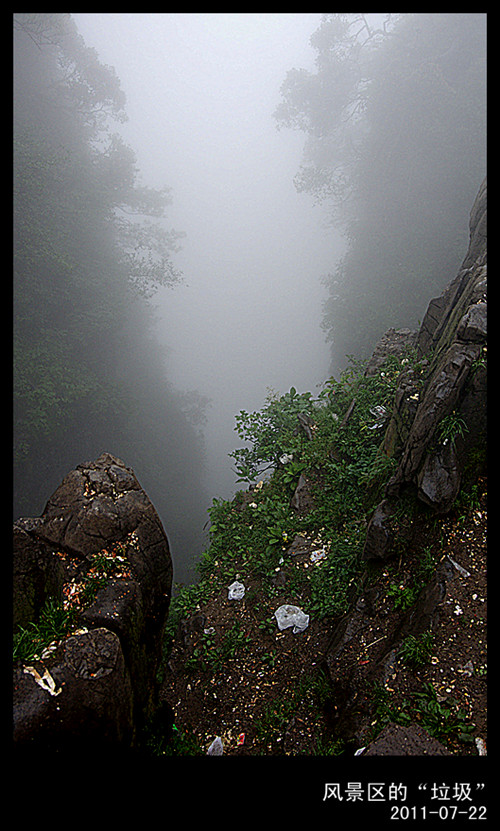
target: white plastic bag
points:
(236, 591)
(287, 616)
(216, 748)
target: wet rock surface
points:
(437, 430)
(104, 672)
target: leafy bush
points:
(271, 433)
(417, 650)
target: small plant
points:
(210, 656)
(404, 596)
(270, 659)
(426, 566)
(292, 471)
(417, 650)
(450, 427)
(274, 720)
(54, 624)
(329, 747)
(443, 720)
(271, 432)
(387, 710)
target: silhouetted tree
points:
(90, 248)
(395, 117)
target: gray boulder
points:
(105, 671)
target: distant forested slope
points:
(91, 245)
(395, 119)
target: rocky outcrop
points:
(95, 686)
(437, 429)
(437, 435)
(394, 342)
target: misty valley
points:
(249, 355)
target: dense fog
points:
(271, 218)
(201, 90)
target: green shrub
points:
(416, 650)
(54, 624)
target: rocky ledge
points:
(100, 551)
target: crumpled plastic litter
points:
(287, 616)
(320, 554)
(45, 681)
(481, 746)
(236, 591)
(216, 748)
(463, 571)
(380, 413)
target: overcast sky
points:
(201, 90)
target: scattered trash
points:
(286, 458)
(381, 414)
(209, 630)
(216, 748)
(360, 751)
(458, 567)
(481, 746)
(236, 591)
(287, 616)
(318, 555)
(241, 739)
(49, 650)
(45, 681)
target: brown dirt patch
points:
(232, 673)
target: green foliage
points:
(210, 655)
(417, 650)
(443, 720)
(403, 596)
(308, 695)
(249, 534)
(450, 428)
(332, 586)
(55, 622)
(271, 433)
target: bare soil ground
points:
(232, 674)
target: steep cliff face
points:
(437, 430)
(437, 436)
